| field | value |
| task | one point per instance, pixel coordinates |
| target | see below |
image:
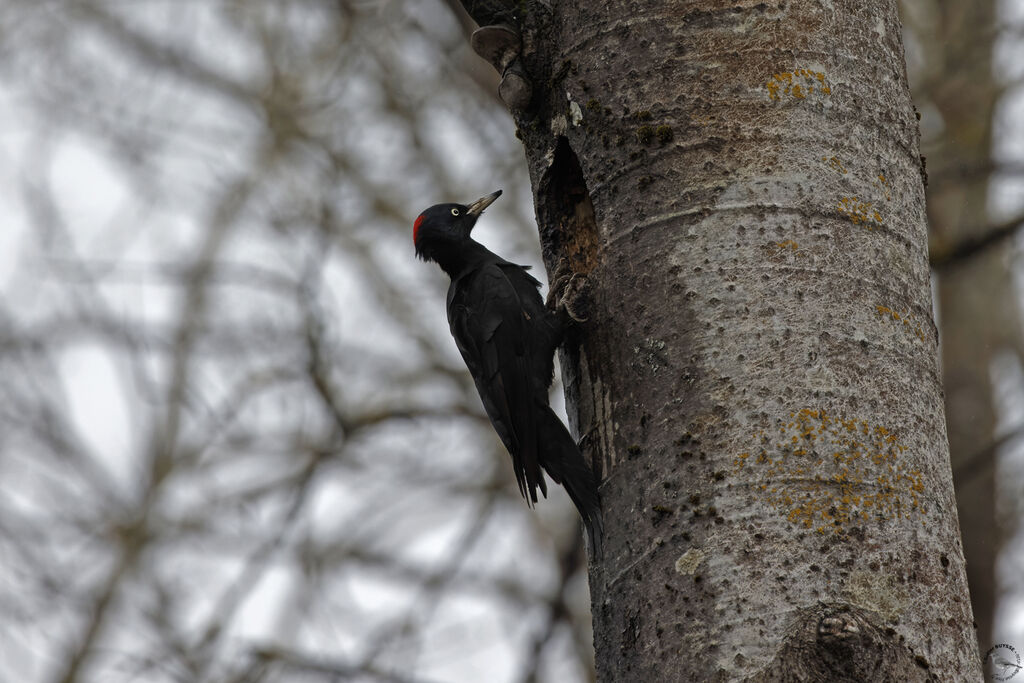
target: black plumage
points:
(507, 337)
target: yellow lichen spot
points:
(906, 318)
(883, 184)
(834, 492)
(798, 83)
(835, 163)
(859, 212)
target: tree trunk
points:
(757, 380)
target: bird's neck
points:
(458, 258)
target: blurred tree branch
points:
(968, 248)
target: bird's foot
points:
(559, 279)
(564, 296)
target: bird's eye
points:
(455, 212)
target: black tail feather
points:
(562, 460)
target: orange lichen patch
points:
(883, 184)
(798, 84)
(828, 472)
(911, 326)
(740, 460)
(786, 250)
(835, 163)
(859, 212)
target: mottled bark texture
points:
(757, 380)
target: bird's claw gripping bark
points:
(559, 279)
(564, 294)
(571, 296)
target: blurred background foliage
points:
(236, 440)
(966, 72)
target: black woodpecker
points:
(508, 336)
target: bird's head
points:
(444, 226)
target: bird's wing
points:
(545, 329)
(489, 324)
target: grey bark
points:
(757, 380)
